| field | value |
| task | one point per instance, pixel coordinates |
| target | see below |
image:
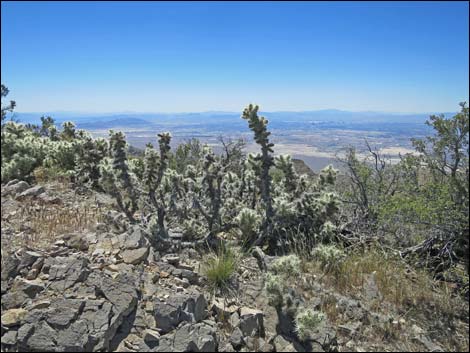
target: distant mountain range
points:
(316, 117)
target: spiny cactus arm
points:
(259, 126)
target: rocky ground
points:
(83, 280)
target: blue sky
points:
(198, 56)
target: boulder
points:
(13, 317)
(15, 187)
(9, 338)
(134, 257)
(10, 266)
(31, 192)
(236, 339)
(76, 241)
(64, 272)
(21, 291)
(28, 258)
(200, 337)
(251, 322)
(178, 308)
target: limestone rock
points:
(13, 317)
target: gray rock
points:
(10, 338)
(20, 292)
(43, 338)
(119, 291)
(171, 259)
(63, 312)
(76, 241)
(28, 258)
(282, 345)
(31, 192)
(236, 339)
(234, 319)
(10, 266)
(178, 308)
(191, 276)
(151, 337)
(251, 322)
(223, 311)
(75, 338)
(134, 239)
(64, 272)
(136, 256)
(15, 188)
(195, 338)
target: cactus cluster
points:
(260, 197)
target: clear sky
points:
(198, 56)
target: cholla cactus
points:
(248, 221)
(327, 231)
(329, 256)
(259, 126)
(284, 164)
(212, 184)
(287, 266)
(22, 151)
(306, 321)
(116, 178)
(87, 160)
(274, 287)
(155, 166)
(328, 175)
(68, 131)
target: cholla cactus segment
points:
(259, 127)
(284, 164)
(151, 167)
(328, 175)
(307, 321)
(68, 131)
(330, 204)
(248, 222)
(287, 266)
(330, 256)
(274, 288)
(284, 209)
(327, 231)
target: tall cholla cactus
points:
(115, 176)
(212, 184)
(87, 159)
(259, 126)
(155, 165)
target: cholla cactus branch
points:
(259, 126)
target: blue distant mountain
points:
(316, 117)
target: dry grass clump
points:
(220, 267)
(38, 225)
